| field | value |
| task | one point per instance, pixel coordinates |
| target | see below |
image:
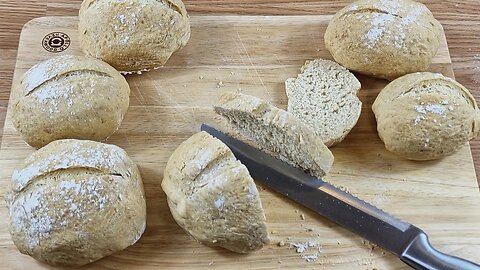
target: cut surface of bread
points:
(324, 96)
(277, 131)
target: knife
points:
(403, 239)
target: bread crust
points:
(384, 39)
(212, 196)
(425, 116)
(133, 35)
(69, 97)
(76, 201)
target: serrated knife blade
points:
(403, 239)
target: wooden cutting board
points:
(255, 55)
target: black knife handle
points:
(422, 256)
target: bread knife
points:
(403, 239)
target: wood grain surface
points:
(168, 105)
(460, 19)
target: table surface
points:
(461, 21)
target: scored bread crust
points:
(74, 202)
(212, 196)
(384, 39)
(425, 116)
(277, 131)
(69, 97)
(324, 96)
(133, 35)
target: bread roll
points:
(425, 116)
(69, 97)
(212, 196)
(74, 202)
(133, 35)
(324, 96)
(384, 39)
(277, 131)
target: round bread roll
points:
(74, 202)
(384, 39)
(425, 116)
(133, 35)
(212, 196)
(70, 97)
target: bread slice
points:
(277, 131)
(324, 96)
(212, 196)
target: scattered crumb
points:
(370, 245)
(281, 244)
(302, 217)
(279, 261)
(273, 232)
(232, 73)
(201, 77)
(338, 243)
(184, 85)
(302, 247)
(211, 263)
(299, 248)
(220, 84)
(344, 189)
(296, 211)
(310, 258)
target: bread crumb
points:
(369, 244)
(201, 77)
(184, 85)
(299, 248)
(310, 258)
(302, 217)
(344, 189)
(296, 211)
(338, 243)
(281, 244)
(232, 73)
(220, 84)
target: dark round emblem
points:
(56, 42)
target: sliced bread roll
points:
(276, 131)
(212, 196)
(324, 96)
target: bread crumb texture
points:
(277, 131)
(324, 96)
